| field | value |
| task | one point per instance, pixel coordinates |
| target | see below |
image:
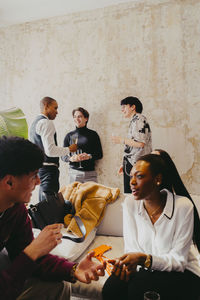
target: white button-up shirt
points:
(46, 129)
(168, 240)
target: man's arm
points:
(45, 128)
(125, 141)
(34, 260)
(97, 152)
(28, 256)
(12, 278)
(66, 143)
(51, 267)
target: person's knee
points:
(114, 288)
(63, 290)
(42, 290)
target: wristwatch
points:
(72, 277)
(148, 261)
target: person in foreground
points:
(32, 273)
(82, 162)
(138, 141)
(159, 239)
(43, 134)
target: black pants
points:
(126, 172)
(49, 180)
(170, 286)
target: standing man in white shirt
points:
(43, 134)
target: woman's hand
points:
(74, 158)
(121, 271)
(132, 260)
(127, 264)
(84, 156)
(80, 157)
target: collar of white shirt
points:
(168, 209)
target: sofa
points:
(110, 233)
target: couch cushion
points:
(93, 290)
(112, 221)
(69, 249)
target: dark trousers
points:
(170, 286)
(49, 180)
(126, 172)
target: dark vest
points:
(36, 139)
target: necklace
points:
(163, 201)
(154, 212)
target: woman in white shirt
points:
(158, 236)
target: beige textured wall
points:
(150, 49)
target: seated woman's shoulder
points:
(182, 201)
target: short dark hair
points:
(83, 111)
(45, 100)
(133, 101)
(19, 156)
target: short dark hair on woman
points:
(133, 101)
(19, 156)
(83, 111)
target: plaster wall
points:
(149, 49)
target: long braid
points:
(180, 189)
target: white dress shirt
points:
(46, 129)
(168, 240)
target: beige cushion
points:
(109, 225)
(69, 249)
